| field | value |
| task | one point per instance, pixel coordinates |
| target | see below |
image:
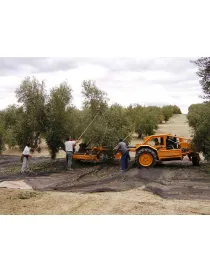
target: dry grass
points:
(135, 202)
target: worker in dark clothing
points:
(171, 143)
(122, 147)
(127, 144)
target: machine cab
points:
(168, 142)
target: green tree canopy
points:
(203, 72)
(58, 127)
(52, 115)
(32, 95)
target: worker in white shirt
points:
(69, 148)
(25, 156)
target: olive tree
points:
(32, 117)
(2, 132)
(203, 65)
(58, 127)
(198, 117)
(199, 114)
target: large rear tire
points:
(146, 158)
(195, 161)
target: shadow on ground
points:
(174, 180)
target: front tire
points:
(195, 159)
(146, 158)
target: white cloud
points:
(157, 81)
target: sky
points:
(114, 43)
(147, 81)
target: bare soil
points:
(170, 188)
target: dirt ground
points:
(171, 188)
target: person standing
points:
(25, 157)
(122, 147)
(69, 149)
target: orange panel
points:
(185, 145)
(169, 154)
(118, 156)
(85, 157)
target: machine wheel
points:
(103, 157)
(195, 159)
(146, 158)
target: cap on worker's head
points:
(121, 139)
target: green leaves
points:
(203, 72)
(32, 95)
(146, 119)
(198, 117)
(94, 99)
(199, 114)
(54, 117)
(2, 133)
(170, 110)
(58, 122)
